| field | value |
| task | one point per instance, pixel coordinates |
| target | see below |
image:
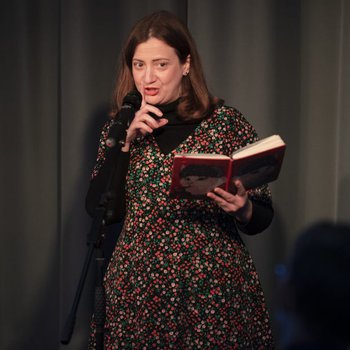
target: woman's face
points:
(158, 72)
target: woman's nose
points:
(149, 76)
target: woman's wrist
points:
(244, 215)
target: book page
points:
(265, 144)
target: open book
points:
(194, 175)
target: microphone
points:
(117, 132)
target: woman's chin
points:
(153, 100)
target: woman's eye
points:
(162, 64)
(138, 64)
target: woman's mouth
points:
(151, 91)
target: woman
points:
(180, 276)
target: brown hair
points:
(195, 100)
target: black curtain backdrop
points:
(282, 63)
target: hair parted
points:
(163, 25)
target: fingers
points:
(219, 200)
(241, 208)
(146, 113)
(225, 205)
(223, 199)
(229, 202)
(227, 196)
(144, 123)
(240, 190)
(232, 197)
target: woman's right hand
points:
(144, 124)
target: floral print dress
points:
(180, 276)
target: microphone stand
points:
(94, 241)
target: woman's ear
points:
(187, 65)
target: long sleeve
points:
(109, 160)
(261, 219)
(111, 166)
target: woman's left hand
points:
(237, 204)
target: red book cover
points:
(257, 169)
(194, 175)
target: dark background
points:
(282, 63)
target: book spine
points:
(228, 176)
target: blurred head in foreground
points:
(316, 290)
